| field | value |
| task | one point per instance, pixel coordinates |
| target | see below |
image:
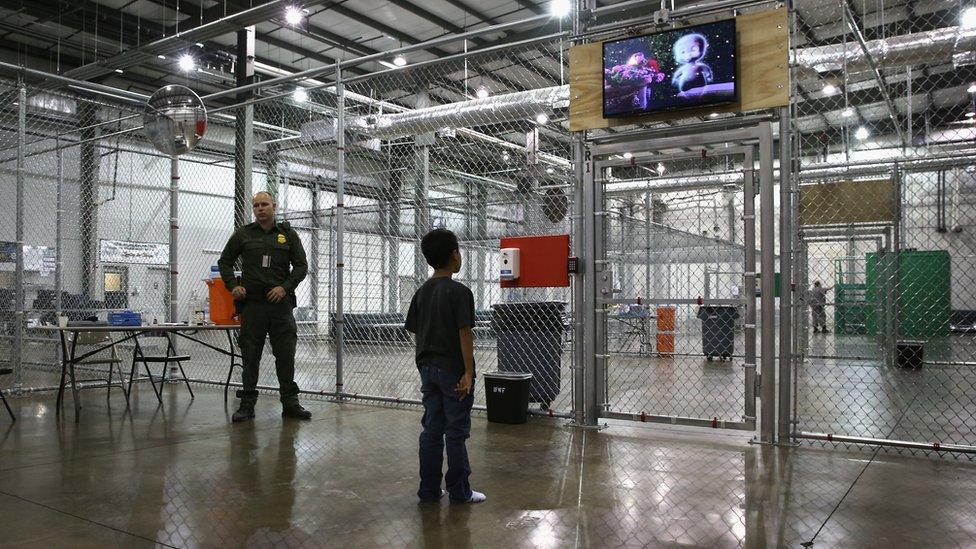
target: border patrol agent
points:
(265, 300)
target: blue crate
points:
(124, 318)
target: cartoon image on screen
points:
(689, 67)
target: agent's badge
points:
(281, 238)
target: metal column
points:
(767, 284)
(393, 225)
(749, 279)
(88, 197)
(174, 227)
(244, 130)
(340, 225)
(17, 360)
(588, 222)
(315, 241)
(421, 176)
(580, 287)
(786, 276)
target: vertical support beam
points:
(767, 284)
(88, 197)
(174, 228)
(481, 233)
(17, 361)
(393, 241)
(59, 236)
(340, 226)
(749, 278)
(244, 129)
(588, 222)
(421, 174)
(786, 274)
(315, 241)
(581, 349)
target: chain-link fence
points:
(883, 129)
(496, 163)
(676, 237)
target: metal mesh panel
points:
(675, 247)
(884, 92)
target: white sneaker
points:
(476, 497)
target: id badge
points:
(266, 261)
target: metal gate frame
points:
(595, 156)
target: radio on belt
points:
(508, 263)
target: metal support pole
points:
(580, 285)
(18, 350)
(588, 222)
(174, 227)
(315, 239)
(244, 129)
(59, 240)
(786, 276)
(749, 279)
(600, 353)
(340, 224)
(767, 284)
(88, 163)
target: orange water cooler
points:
(222, 310)
(666, 317)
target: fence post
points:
(786, 278)
(766, 284)
(18, 354)
(340, 223)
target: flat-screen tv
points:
(674, 69)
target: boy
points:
(441, 316)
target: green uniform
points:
(269, 258)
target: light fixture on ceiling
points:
(660, 168)
(300, 95)
(118, 71)
(542, 119)
(971, 88)
(847, 113)
(628, 155)
(829, 89)
(294, 15)
(550, 170)
(187, 63)
(506, 156)
(400, 61)
(161, 56)
(862, 133)
(967, 19)
(560, 8)
(971, 114)
(713, 115)
(482, 93)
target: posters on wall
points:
(42, 259)
(133, 253)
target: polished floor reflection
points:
(181, 475)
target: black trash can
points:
(910, 354)
(507, 396)
(718, 330)
(530, 341)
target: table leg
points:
(64, 371)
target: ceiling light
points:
(713, 115)
(550, 170)
(542, 119)
(161, 56)
(847, 113)
(971, 88)
(293, 15)
(187, 63)
(400, 61)
(482, 93)
(971, 114)
(300, 95)
(660, 168)
(628, 155)
(560, 8)
(862, 133)
(118, 71)
(968, 18)
(829, 89)
(200, 45)
(506, 156)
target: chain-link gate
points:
(677, 287)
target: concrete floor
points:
(181, 475)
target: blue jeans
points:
(446, 418)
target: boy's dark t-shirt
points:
(439, 309)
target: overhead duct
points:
(951, 43)
(499, 108)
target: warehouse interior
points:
(684, 392)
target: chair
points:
(110, 357)
(139, 356)
(3, 372)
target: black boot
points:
(295, 411)
(246, 410)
